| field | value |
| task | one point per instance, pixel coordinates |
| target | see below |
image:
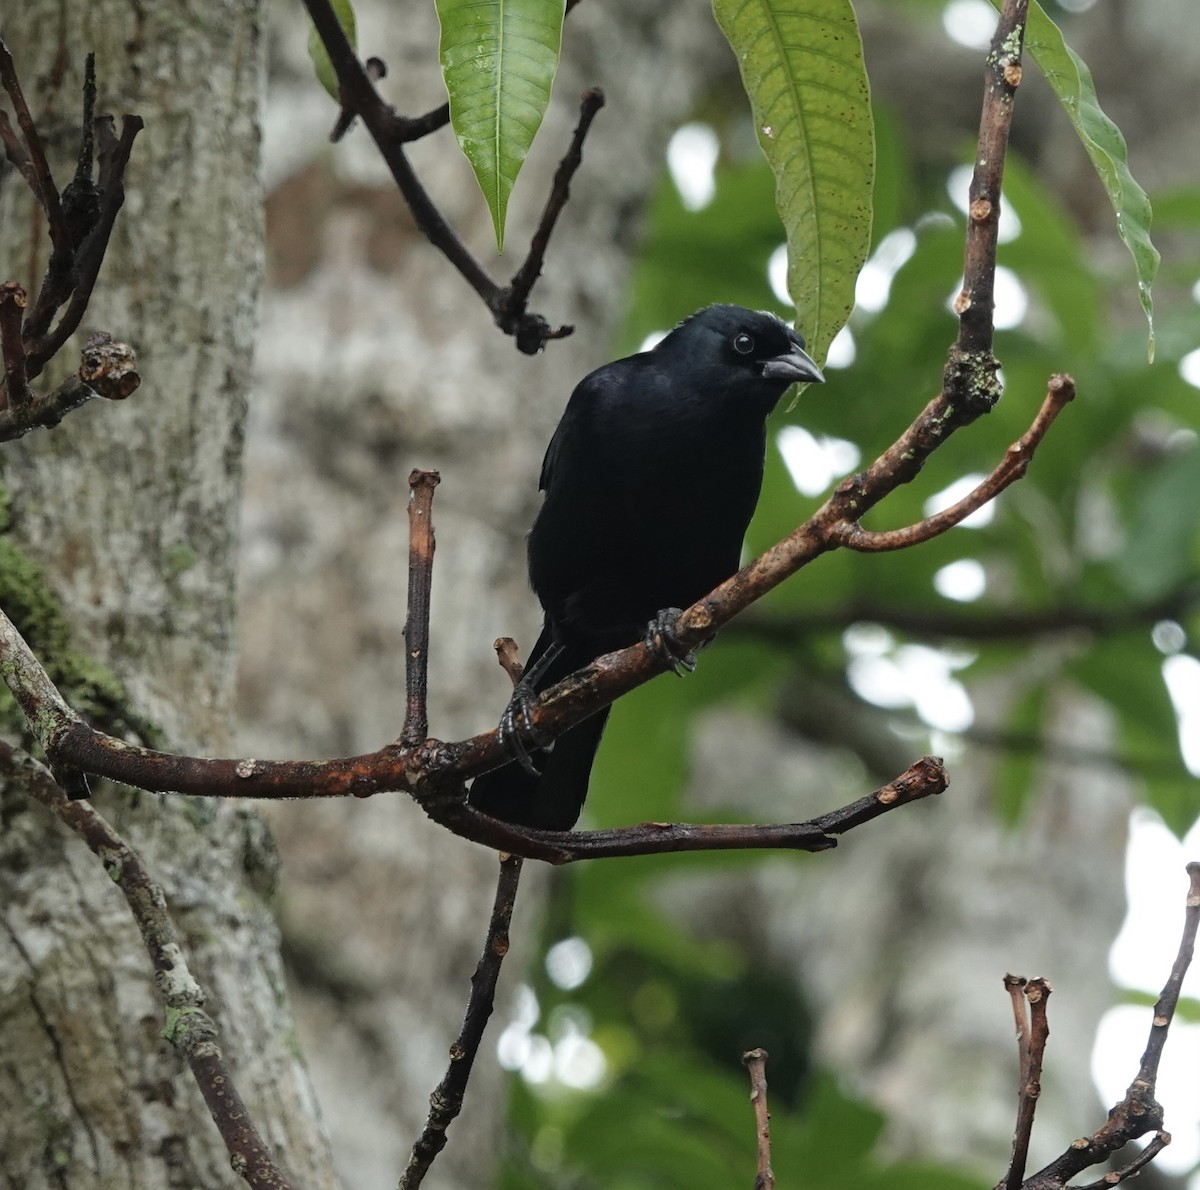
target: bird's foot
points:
(516, 724)
(662, 640)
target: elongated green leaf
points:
(499, 58)
(316, 47)
(1071, 80)
(802, 67)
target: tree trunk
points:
(122, 531)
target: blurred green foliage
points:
(1097, 545)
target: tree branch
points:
(511, 311)
(89, 256)
(390, 131)
(35, 167)
(189, 1028)
(446, 1101)
(756, 1062)
(970, 375)
(107, 369)
(1015, 464)
(1029, 1006)
(1139, 1112)
(416, 627)
(80, 224)
(16, 379)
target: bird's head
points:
(750, 351)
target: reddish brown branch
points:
(1015, 464)
(416, 627)
(1015, 986)
(925, 778)
(189, 1028)
(756, 1062)
(1033, 1029)
(432, 773)
(510, 662)
(446, 1101)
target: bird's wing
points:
(547, 475)
(574, 440)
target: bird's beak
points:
(796, 365)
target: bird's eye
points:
(743, 344)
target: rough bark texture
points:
(130, 513)
(377, 358)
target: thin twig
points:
(1060, 391)
(44, 189)
(416, 627)
(16, 380)
(189, 1028)
(1015, 986)
(511, 311)
(16, 154)
(1033, 1031)
(376, 69)
(1157, 1143)
(970, 375)
(114, 157)
(359, 95)
(1168, 1000)
(81, 197)
(756, 1062)
(510, 662)
(446, 1101)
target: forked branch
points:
(1137, 1114)
(390, 131)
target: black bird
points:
(650, 479)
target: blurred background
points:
(1047, 648)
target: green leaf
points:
(499, 58)
(316, 47)
(1071, 80)
(802, 67)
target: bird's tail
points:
(553, 800)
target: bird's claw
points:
(517, 715)
(662, 640)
